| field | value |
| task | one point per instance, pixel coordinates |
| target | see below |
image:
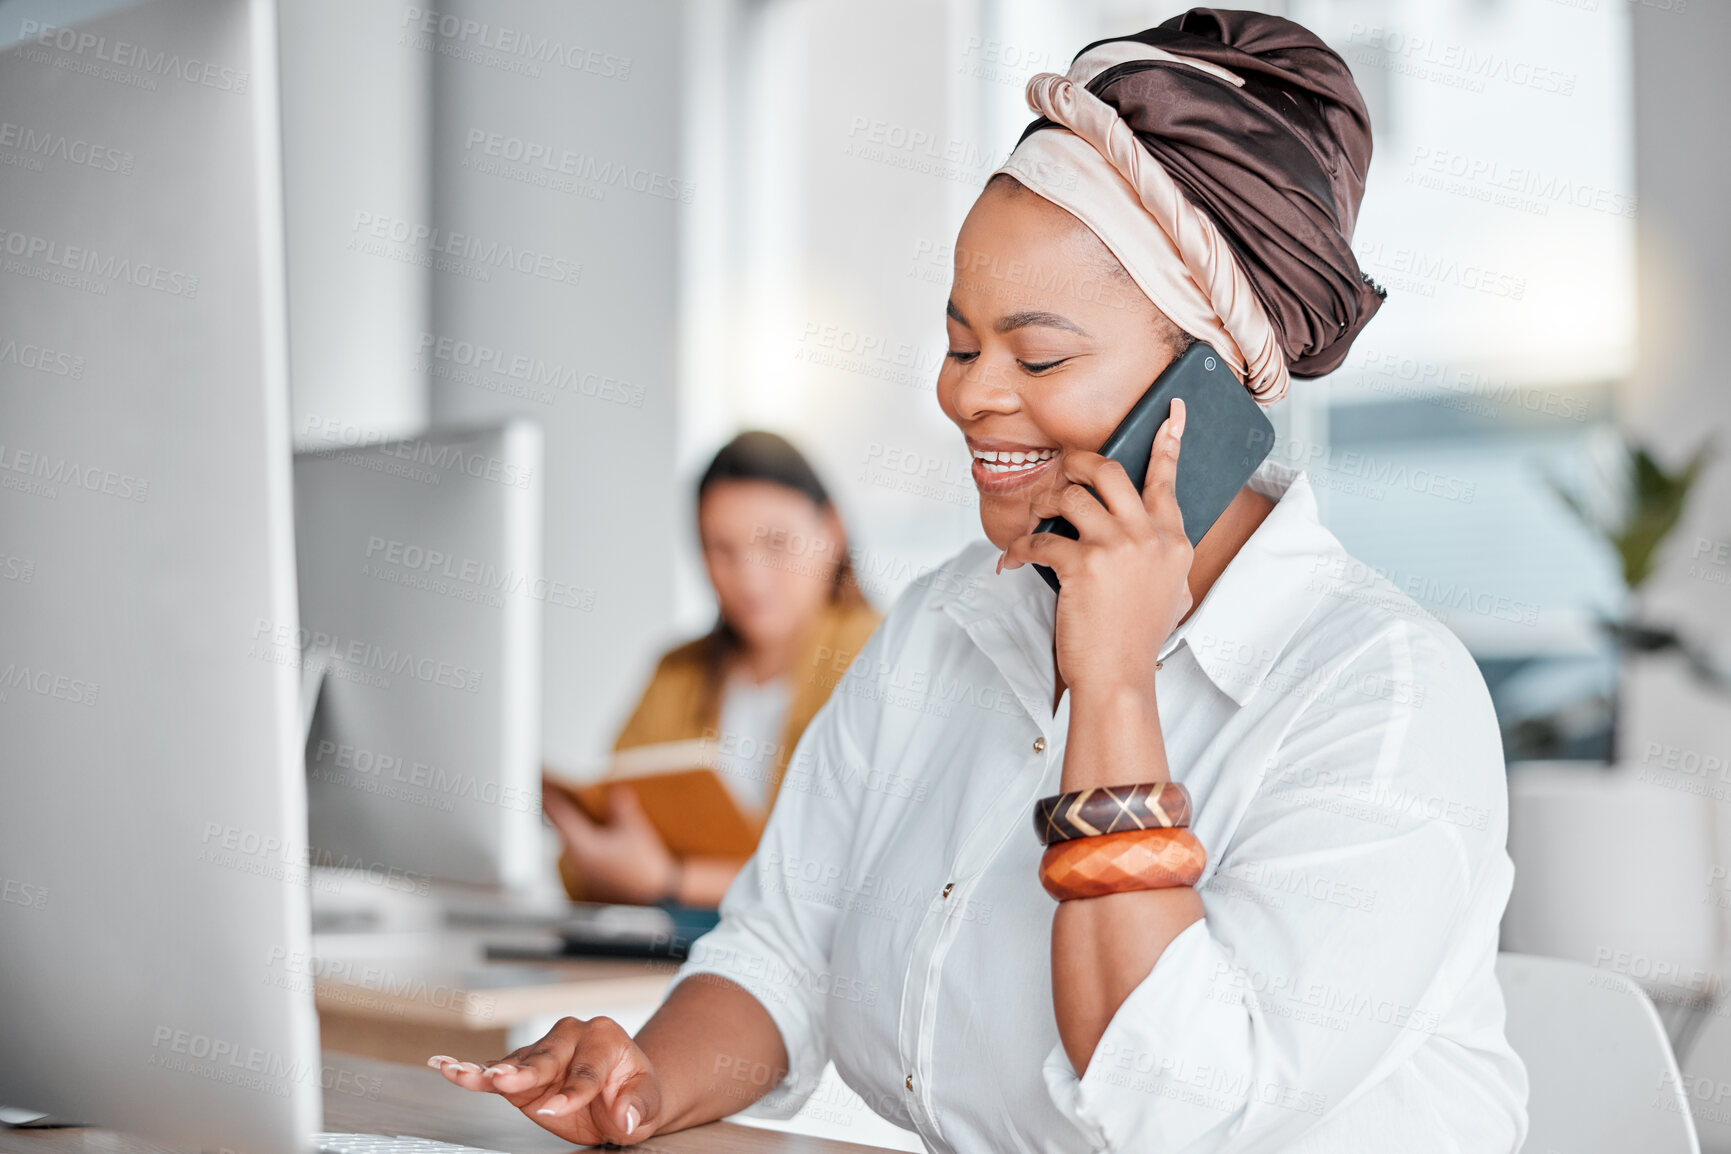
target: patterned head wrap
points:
(1221, 157)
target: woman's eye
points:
(960, 357)
(1041, 367)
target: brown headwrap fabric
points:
(1267, 137)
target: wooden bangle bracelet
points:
(1113, 863)
(1111, 809)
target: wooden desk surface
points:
(421, 1103)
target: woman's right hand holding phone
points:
(586, 1082)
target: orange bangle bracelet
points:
(1112, 863)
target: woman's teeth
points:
(1014, 462)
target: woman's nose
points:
(985, 387)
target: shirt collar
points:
(1235, 635)
(1250, 613)
(1010, 616)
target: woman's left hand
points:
(1126, 578)
(622, 861)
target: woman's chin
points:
(1003, 526)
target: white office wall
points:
(848, 181)
(1678, 393)
(19, 19)
(558, 198)
(1675, 726)
(356, 133)
(440, 277)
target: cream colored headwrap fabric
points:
(1099, 173)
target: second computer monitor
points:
(421, 597)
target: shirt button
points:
(948, 888)
(1039, 745)
(910, 1082)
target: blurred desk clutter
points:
(400, 975)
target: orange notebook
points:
(681, 794)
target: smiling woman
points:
(1238, 757)
(1099, 351)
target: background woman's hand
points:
(586, 1082)
(1126, 578)
(624, 860)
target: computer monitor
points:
(421, 595)
(153, 878)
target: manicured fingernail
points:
(630, 1120)
(1178, 422)
(554, 1105)
(501, 1068)
(1001, 557)
(437, 1061)
(469, 1067)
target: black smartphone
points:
(1226, 436)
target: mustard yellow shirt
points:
(681, 704)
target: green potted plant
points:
(1647, 502)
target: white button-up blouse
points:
(1347, 777)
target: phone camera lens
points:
(1208, 362)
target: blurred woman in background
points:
(791, 615)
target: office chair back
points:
(1602, 1076)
